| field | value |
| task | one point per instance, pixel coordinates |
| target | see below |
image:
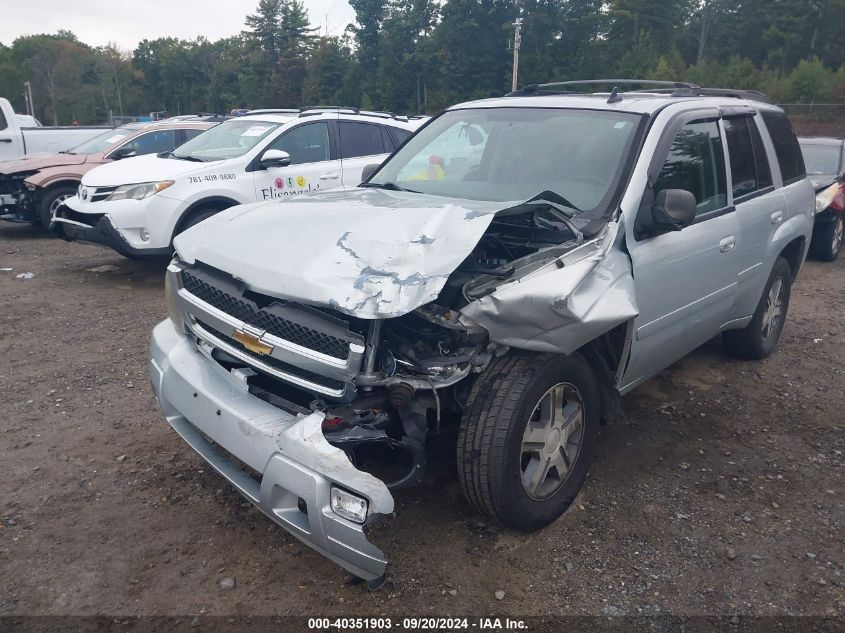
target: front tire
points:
(827, 239)
(760, 337)
(527, 437)
(50, 202)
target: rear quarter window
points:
(787, 150)
(3, 124)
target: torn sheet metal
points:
(560, 309)
(370, 253)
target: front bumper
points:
(76, 227)
(210, 407)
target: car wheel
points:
(51, 200)
(827, 239)
(760, 337)
(527, 437)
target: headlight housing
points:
(825, 197)
(139, 191)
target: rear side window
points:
(786, 147)
(399, 135)
(360, 139)
(3, 124)
(749, 166)
(191, 133)
(696, 163)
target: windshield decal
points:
(255, 130)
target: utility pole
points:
(517, 39)
(29, 105)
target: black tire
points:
(490, 442)
(51, 198)
(827, 239)
(756, 340)
(194, 218)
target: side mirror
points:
(673, 209)
(369, 170)
(123, 152)
(275, 158)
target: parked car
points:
(825, 160)
(137, 209)
(17, 139)
(32, 187)
(501, 280)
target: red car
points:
(825, 162)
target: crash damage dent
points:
(293, 463)
(397, 257)
(564, 305)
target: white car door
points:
(9, 140)
(361, 144)
(313, 166)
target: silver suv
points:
(508, 273)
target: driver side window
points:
(696, 163)
(307, 143)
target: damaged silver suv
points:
(508, 273)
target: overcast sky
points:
(97, 22)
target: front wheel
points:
(527, 437)
(760, 337)
(827, 239)
(51, 200)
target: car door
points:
(685, 280)
(313, 163)
(361, 144)
(759, 206)
(9, 143)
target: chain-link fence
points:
(817, 119)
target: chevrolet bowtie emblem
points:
(252, 342)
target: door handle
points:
(330, 176)
(777, 217)
(5, 140)
(727, 244)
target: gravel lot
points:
(720, 493)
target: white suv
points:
(138, 206)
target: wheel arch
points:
(793, 253)
(608, 354)
(211, 202)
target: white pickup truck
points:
(17, 140)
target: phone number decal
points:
(210, 178)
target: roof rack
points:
(272, 111)
(671, 88)
(316, 110)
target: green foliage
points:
(422, 55)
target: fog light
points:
(349, 506)
(145, 235)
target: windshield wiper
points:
(195, 159)
(390, 186)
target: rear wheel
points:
(527, 437)
(760, 337)
(51, 200)
(827, 239)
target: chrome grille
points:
(275, 324)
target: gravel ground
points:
(720, 493)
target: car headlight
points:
(139, 191)
(824, 198)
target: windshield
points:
(821, 159)
(228, 140)
(101, 142)
(507, 154)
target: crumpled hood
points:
(148, 168)
(367, 252)
(42, 160)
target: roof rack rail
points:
(315, 110)
(672, 88)
(272, 111)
